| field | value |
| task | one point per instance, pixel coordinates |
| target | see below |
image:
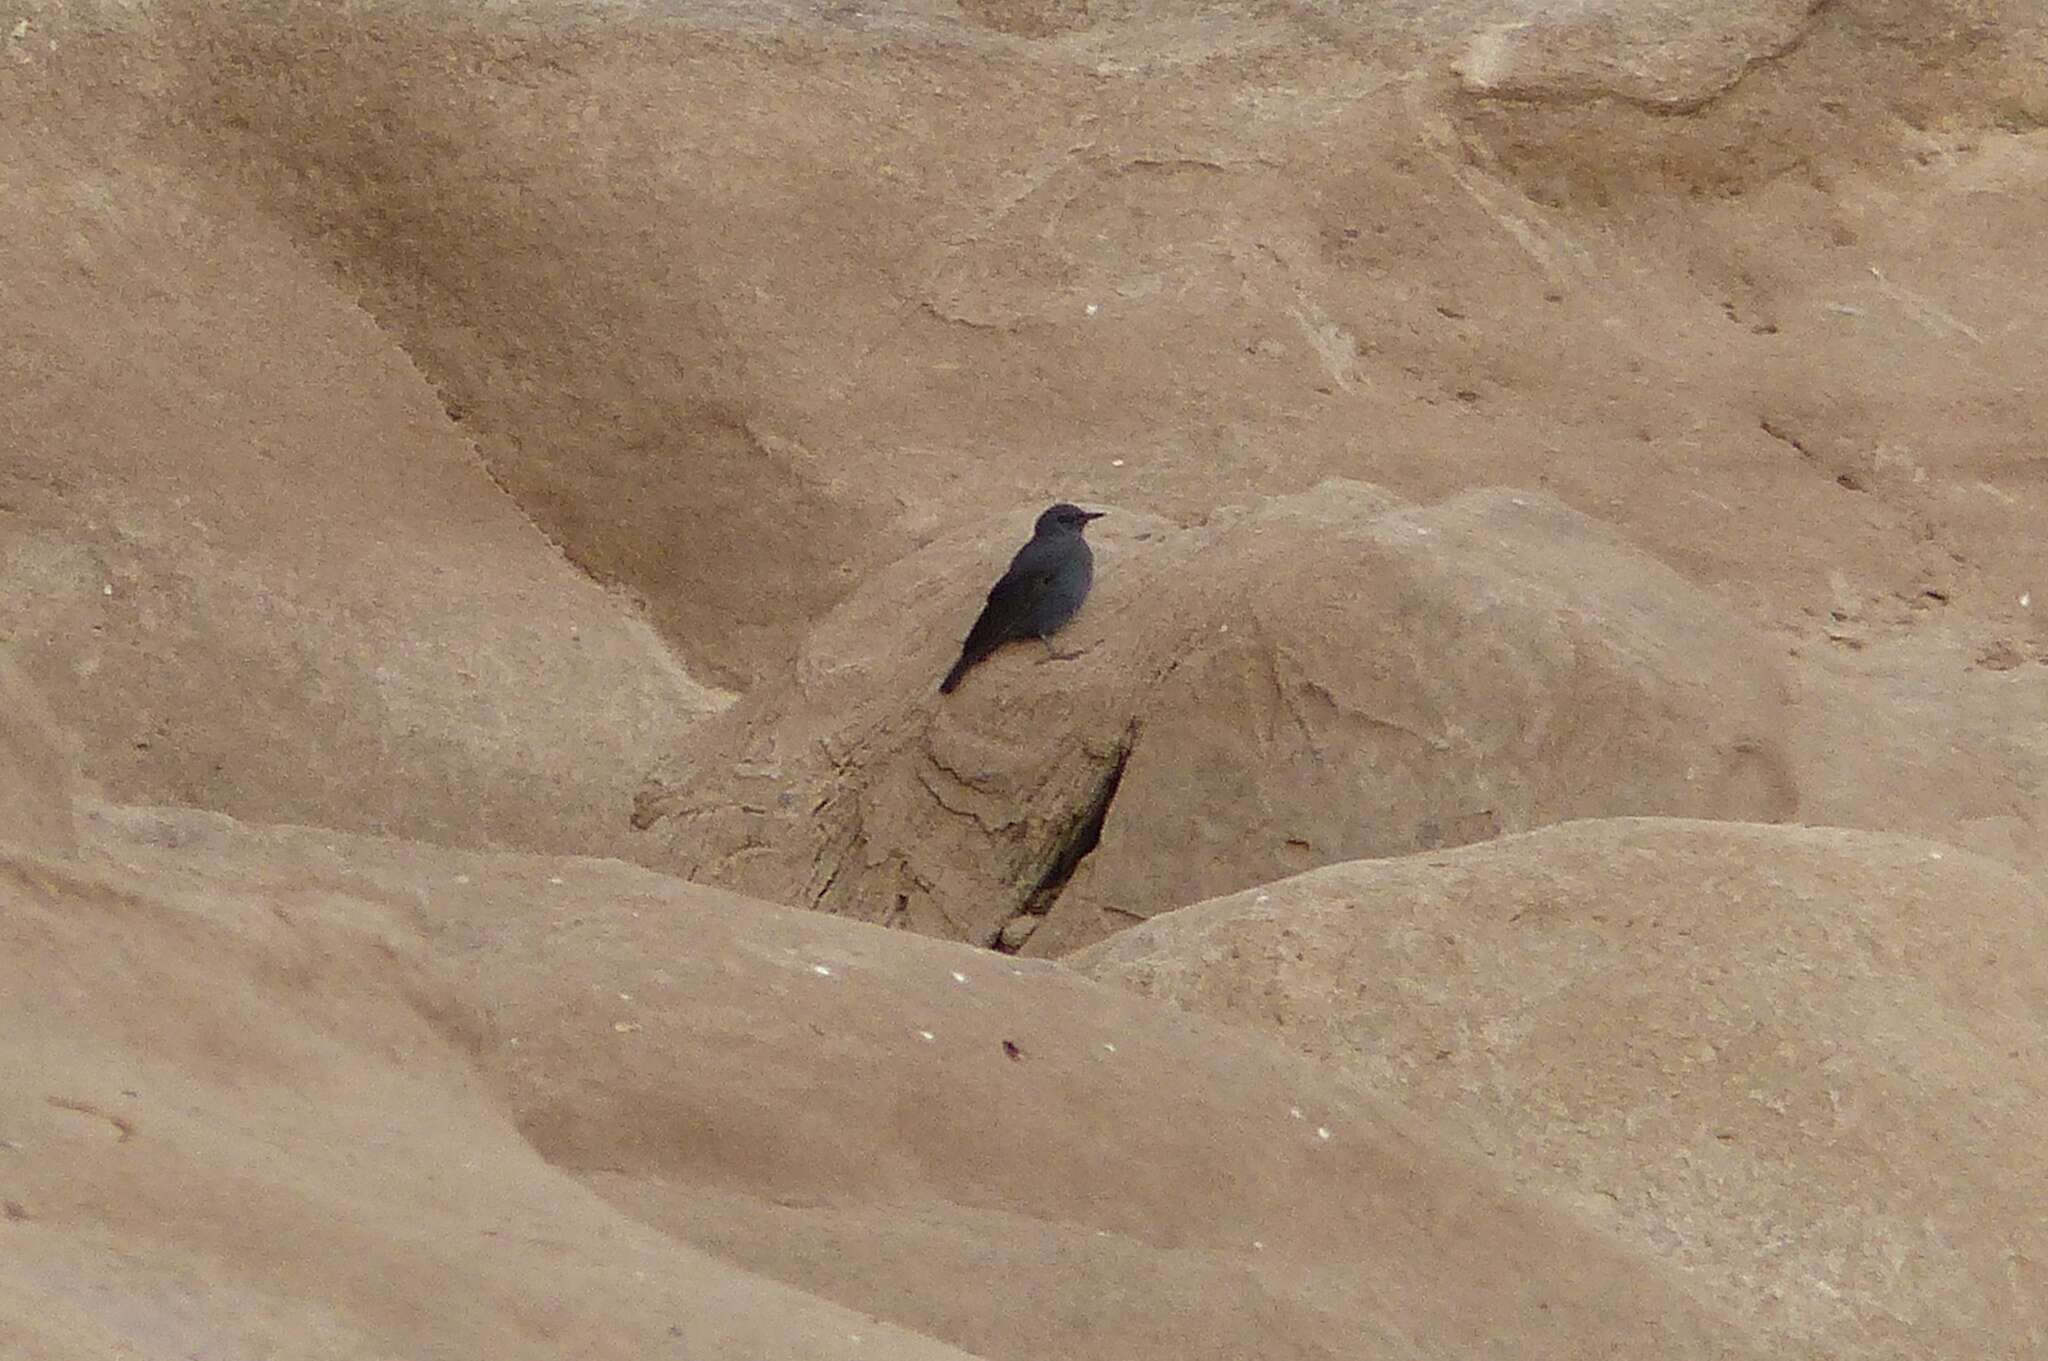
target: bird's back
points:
(1042, 589)
(1060, 568)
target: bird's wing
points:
(1011, 601)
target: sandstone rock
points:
(1667, 54)
(359, 356)
(610, 1104)
(1801, 1064)
(235, 1127)
(38, 769)
(1318, 678)
(254, 565)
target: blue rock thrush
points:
(1046, 583)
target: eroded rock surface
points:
(1799, 1063)
(1318, 677)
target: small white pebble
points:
(514, 1041)
(959, 977)
(1422, 529)
(625, 1027)
(821, 970)
(1294, 1111)
(1263, 898)
(1093, 308)
(1257, 1244)
(555, 879)
(926, 1035)
(1223, 628)
(1116, 463)
(461, 878)
(625, 997)
(107, 589)
(1110, 1047)
(1322, 1131)
(2026, 599)
(1016, 973)
(1934, 855)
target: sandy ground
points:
(1535, 847)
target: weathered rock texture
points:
(38, 769)
(413, 407)
(1320, 677)
(1799, 1064)
(252, 561)
(519, 1106)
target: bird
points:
(1044, 586)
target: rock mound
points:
(1801, 1064)
(399, 1099)
(232, 1128)
(1321, 677)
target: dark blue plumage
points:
(1042, 590)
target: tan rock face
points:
(741, 315)
(38, 769)
(255, 567)
(1509, 413)
(1799, 1064)
(396, 1097)
(1317, 678)
(234, 1125)
(1665, 55)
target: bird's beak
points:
(1093, 514)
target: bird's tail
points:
(952, 680)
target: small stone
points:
(1018, 930)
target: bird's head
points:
(1064, 517)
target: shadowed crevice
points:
(1074, 844)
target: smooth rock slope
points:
(1799, 1064)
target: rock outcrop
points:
(1799, 1064)
(1319, 677)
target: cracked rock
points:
(1322, 677)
